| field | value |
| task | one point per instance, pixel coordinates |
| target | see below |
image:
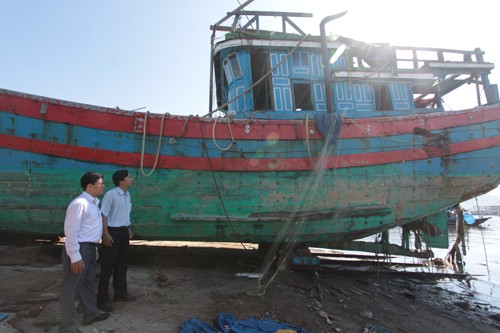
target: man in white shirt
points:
(82, 229)
(115, 209)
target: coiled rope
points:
(230, 132)
(144, 143)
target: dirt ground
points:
(174, 283)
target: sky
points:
(154, 55)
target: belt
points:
(88, 243)
(118, 227)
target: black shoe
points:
(76, 330)
(99, 317)
(106, 306)
(126, 298)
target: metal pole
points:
(326, 65)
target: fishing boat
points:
(468, 217)
(478, 220)
(320, 138)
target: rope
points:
(485, 253)
(230, 131)
(144, 142)
(217, 188)
(174, 140)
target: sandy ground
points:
(174, 283)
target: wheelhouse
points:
(280, 75)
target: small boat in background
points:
(451, 217)
(469, 218)
(481, 219)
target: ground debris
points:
(495, 317)
(318, 307)
(50, 316)
(204, 285)
(41, 285)
(372, 328)
(24, 326)
(31, 313)
(162, 280)
(409, 294)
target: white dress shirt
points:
(116, 206)
(83, 223)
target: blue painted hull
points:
(260, 189)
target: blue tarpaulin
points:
(329, 124)
(228, 323)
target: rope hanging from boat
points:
(217, 187)
(230, 132)
(262, 78)
(174, 140)
(144, 142)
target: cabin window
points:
(300, 59)
(235, 65)
(232, 68)
(262, 93)
(302, 96)
(383, 100)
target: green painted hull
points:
(243, 207)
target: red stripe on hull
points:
(129, 122)
(233, 164)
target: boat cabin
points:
(281, 75)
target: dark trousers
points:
(78, 287)
(114, 261)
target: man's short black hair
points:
(119, 176)
(90, 178)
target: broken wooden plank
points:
(30, 313)
(40, 299)
(23, 326)
(41, 285)
(50, 316)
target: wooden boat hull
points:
(241, 180)
(480, 220)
